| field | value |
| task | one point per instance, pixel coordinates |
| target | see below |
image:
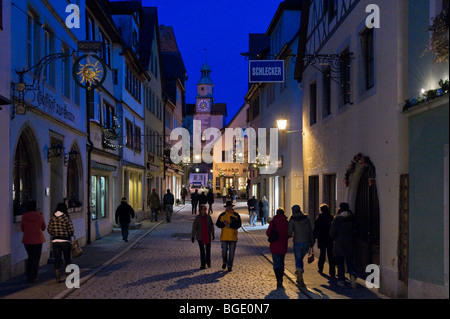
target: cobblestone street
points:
(165, 264)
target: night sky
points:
(222, 28)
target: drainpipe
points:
(89, 103)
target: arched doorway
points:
(367, 213)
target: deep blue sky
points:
(222, 28)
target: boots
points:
(58, 275)
(279, 273)
(300, 282)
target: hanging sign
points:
(266, 71)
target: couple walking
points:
(203, 230)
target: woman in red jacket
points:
(32, 226)
(279, 247)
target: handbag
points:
(273, 234)
(76, 249)
(311, 256)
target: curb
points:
(83, 280)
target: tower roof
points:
(205, 71)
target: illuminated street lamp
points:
(282, 123)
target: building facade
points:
(48, 122)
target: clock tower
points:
(205, 87)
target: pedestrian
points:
(229, 222)
(343, 232)
(168, 201)
(194, 201)
(300, 227)
(124, 214)
(210, 199)
(322, 226)
(202, 199)
(264, 210)
(233, 193)
(253, 207)
(203, 231)
(32, 226)
(184, 193)
(278, 248)
(224, 194)
(61, 230)
(155, 205)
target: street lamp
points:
(282, 123)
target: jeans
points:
(154, 215)
(34, 255)
(252, 217)
(263, 221)
(60, 249)
(278, 261)
(169, 211)
(228, 248)
(341, 261)
(205, 254)
(124, 228)
(300, 250)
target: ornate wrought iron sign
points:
(89, 71)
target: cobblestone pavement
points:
(166, 265)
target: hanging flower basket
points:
(363, 161)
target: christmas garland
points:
(363, 161)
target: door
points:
(367, 213)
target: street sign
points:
(266, 71)
(90, 46)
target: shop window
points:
(99, 196)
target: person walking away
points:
(203, 231)
(279, 247)
(184, 193)
(210, 199)
(61, 230)
(155, 205)
(229, 222)
(343, 232)
(168, 201)
(264, 210)
(300, 229)
(124, 214)
(32, 226)
(194, 201)
(224, 194)
(202, 199)
(253, 207)
(322, 226)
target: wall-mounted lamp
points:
(56, 150)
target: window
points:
(66, 73)
(109, 117)
(76, 88)
(137, 139)
(33, 39)
(132, 84)
(129, 136)
(73, 180)
(1, 15)
(99, 195)
(326, 109)
(312, 103)
(367, 46)
(49, 47)
(22, 177)
(329, 191)
(106, 46)
(90, 30)
(313, 197)
(345, 76)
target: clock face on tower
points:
(203, 105)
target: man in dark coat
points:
(194, 202)
(124, 214)
(202, 199)
(253, 208)
(168, 201)
(343, 232)
(210, 198)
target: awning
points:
(103, 167)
